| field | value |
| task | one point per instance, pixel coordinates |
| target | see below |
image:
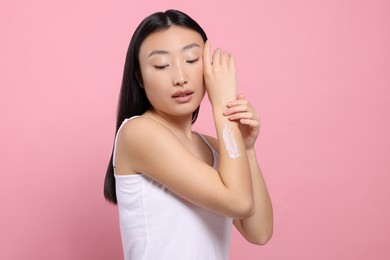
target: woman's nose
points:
(179, 77)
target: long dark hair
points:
(132, 98)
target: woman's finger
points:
(217, 58)
(225, 59)
(241, 100)
(242, 115)
(232, 62)
(250, 122)
(239, 108)
(240, 96)
(206, 56)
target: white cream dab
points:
(230, 143)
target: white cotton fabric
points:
(155, 223)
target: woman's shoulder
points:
(141, 141)
(139, 127)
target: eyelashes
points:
(161, 67)
(193, 61)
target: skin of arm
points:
(258, 228)
(221, 85)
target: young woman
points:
(178, 192)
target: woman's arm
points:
(258, 228)
(221, 85)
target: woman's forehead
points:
(173, 39)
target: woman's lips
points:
(182, 96)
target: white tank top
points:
(155, 223)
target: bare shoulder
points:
(140, 125)
(142, 131)
(139, 142)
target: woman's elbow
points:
(244, 210)
(261, 239)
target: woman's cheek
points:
(157, 82)
(151, 77)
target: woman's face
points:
(172, 70)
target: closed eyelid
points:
(193, 60)
(160, 66)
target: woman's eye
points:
(193, 61)
(160, 67)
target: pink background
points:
(318, 72)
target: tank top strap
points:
(213, 151)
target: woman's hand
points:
(219, 76)
(241, 110)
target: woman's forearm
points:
(258, 228)
(234, 168)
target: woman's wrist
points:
(251, 152)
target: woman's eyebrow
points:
(155, 52)
(189, 46)
(162, 52)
